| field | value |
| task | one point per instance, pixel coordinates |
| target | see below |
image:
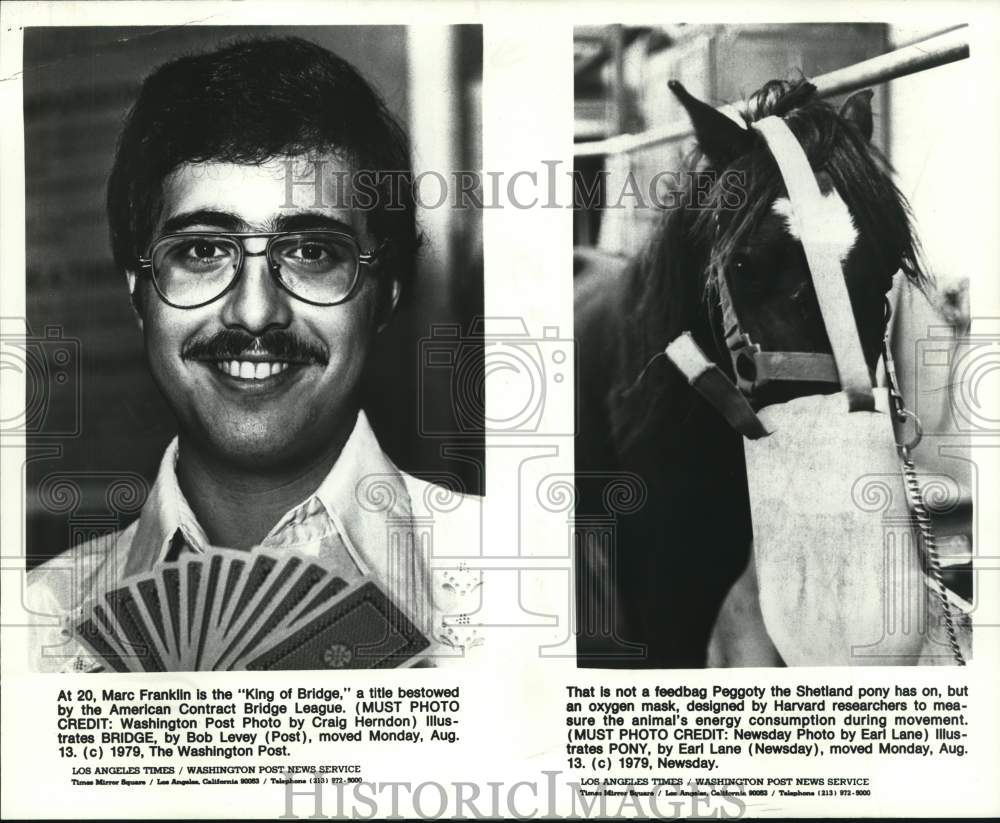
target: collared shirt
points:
(367, 518)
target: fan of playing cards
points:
(226, 609)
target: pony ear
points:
(857, 109)
(721, 138)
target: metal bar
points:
(927, 54)
(618, 77)
(949, 47)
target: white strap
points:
(824, 262)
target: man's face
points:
(279, 406)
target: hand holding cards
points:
(261, 610)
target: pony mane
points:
(669, 290)
(860, 173)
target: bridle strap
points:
(795, 367)
(710, 382)
(824, 262)
(755, 368)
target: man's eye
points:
(311, 253)
(205, 250)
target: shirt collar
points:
(361, 492)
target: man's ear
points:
(857, 109)
(134, 298)
(388, 303)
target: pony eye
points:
(749, 274)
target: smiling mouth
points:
(251, 370)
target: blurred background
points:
(621, 76)
(98, 424)
(921, 122)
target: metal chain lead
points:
(912, 485)
(923, 519)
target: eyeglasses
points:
(192, 269)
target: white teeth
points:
(246, 370)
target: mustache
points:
(278, 344)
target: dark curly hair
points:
(248, 102)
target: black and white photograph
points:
(229, 283)
(773, 338)
(479, 411)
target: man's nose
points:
(256, 302)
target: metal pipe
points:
(949, 47)
(927, 54)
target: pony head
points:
(751, 231)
